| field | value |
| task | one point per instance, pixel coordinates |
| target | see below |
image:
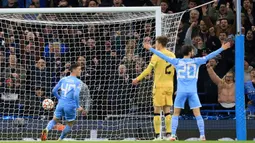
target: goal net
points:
(36, 50)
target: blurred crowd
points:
(34, 57)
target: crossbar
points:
(77, 10)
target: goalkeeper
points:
(163, 86)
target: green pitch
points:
(121, 141)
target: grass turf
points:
(121, 141)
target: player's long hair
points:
(224, 78)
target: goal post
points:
(241, 131)
(38, 45)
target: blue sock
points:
(65, 132)
(201, 125)
(174, 124)
(51, 124)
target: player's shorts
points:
(69, 112)
(192, 98)
(162, 96)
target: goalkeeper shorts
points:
(162, 97)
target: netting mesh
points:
(38, 49)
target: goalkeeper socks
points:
(156, 123)
(174, 124)
(201, 125)
(168, 124)
(51, 124)
(65, 132)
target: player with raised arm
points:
(162, 88)
(187, 74)
(68, 101)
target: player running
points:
(162, 88)
(187, 74)
(68, 102)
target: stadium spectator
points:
(93, 3)
(92, 54)
(222, 25)
(29, 57)
(247, 71)
(249, 46)
(55, 36)
(63, 3)
(164, 7)
(139, 50)
(36, 3)
(213, 41)
(14, 69)
(14, 74)
(203, 31)
(91, 32)
(226, 87)
(47, 34)
(248, 13)
(53, 51)
(40, 74)
(83, 3)
(180, 39)
(191, 4)
(119, 99)
(223, 36)
(123, 74)
(224, 12)
(211, 89)
(196, 41)
(15, 47)
(118, 3)
(129, 60)
(146, 33)
(82, 61)
(193, 17)
(2, 40)
(10, 51)
(2, 62)
(39, 92)
(250, 92)
(11, 4)
(110, 58)
(66, 70)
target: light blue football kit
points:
(187, 74)
(68, 100)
